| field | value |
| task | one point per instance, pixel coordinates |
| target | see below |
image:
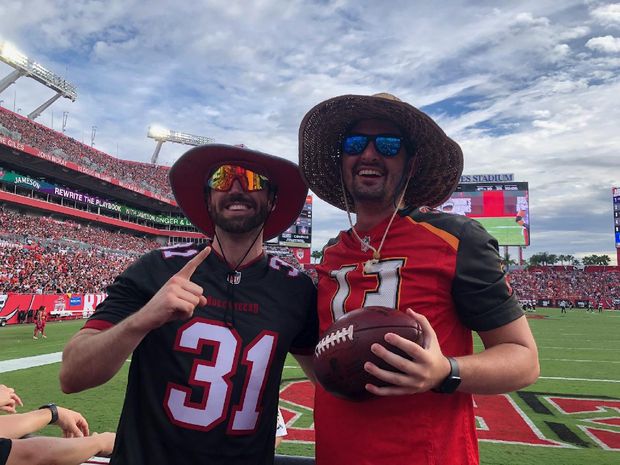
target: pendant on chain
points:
(234, 277)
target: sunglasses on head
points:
(223, 177)
(386, 145)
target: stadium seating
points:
(572, 284)
(145, 176)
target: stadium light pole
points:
(162, 135)
(92, 136)
(24, 66)
(65, 115)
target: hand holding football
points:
(340, 355)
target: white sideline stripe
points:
(29, 362)
(560, 378)
(576, 360)
(576, 348)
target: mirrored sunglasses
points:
(223, 177)
(386, 145)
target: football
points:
(340, 355)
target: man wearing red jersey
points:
(390, 163)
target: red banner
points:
(56, 305)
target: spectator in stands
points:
(74, 448)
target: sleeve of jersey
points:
(306, 340)
(5, 449)
(126, 295)
(482, 296)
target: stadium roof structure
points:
(24, 66)
(162, 135)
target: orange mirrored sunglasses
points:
(223, 177)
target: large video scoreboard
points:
(300, 232)
(501, 207)
(616, 196)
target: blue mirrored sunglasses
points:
(386, 145)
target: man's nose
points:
(236, 186)
(370, 152)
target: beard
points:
(241, 224)
(375, 193)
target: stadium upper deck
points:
(144, 178)
(47, 171)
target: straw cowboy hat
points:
(438, 159)
(190, 173)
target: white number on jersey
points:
(386, 294)
(214, 377)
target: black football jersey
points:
(205, 391)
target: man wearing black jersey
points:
(208, 327)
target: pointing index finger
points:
(190, 267)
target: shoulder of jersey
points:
(451, 223)
(173, 257)
(281, 267)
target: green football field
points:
(504, 229)
(571, 416)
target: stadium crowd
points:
(51, 269)
(40, 254)
(568, 284)
(25, 227)
(145, 176)
(45, 255)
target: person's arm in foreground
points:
(93, 357)
(509, 362)
(72, 423)
(9, 399)
(59, 451)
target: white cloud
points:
(607, 14)
(607, 44)
(530, 87)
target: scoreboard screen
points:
(300, 232)
(616, 195)
(501, 207)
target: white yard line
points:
(560, 378)
(29, 362)
(578, 361)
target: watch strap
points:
(452, 381)
(52, 408)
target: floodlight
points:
(162, 135)
(158, 132)
(26, 67)
(9, 53)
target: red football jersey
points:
(445, 267)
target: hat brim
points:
(189, 174)
(438, 159)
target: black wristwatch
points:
(452, 381)
(54, 411)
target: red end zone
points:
(499, 419)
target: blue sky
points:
(526, 87)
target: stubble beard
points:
(240, 225)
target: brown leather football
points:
(340, 355)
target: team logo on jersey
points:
(234, 277)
